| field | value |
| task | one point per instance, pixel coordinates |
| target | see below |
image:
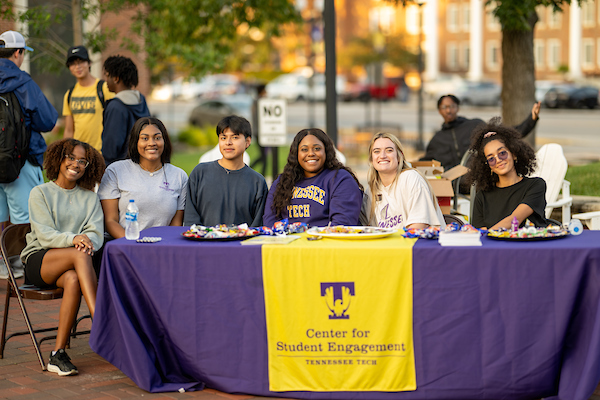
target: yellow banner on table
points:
(339, 315)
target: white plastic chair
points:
(552, 167)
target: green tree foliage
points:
(361, 51)
(195, 35)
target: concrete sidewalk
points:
(22, 378)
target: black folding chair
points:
(12, 242)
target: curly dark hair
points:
(293, 172)
(481, 173)
(134, 137)
(122, 68)
(58, 150)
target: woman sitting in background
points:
(499, 167)
(314, 187)
(158, 188)
(398, 196)
(67, 226)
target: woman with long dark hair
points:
(314, 187)
(158, 187)
(499, 167)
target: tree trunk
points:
(77, 23)
(518, 75)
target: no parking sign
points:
(272, 122)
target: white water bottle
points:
(132, 226)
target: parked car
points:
(484, 93)
(392, 88)
(442, 85)
(191, 89)
(211, 111)
(294, 87)
(542, 87)
(571, 96)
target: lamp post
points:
(420, 146)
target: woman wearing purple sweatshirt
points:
(314, 187)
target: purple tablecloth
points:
(506, 320)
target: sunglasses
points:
(81, 162)
(502, 155)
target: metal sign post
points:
(272, 126)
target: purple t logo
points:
(337, 297)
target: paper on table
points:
(258, 240)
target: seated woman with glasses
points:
(67, 227)
(499, 168)
(450, 143)
(158, 187)
(397, 196)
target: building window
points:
(554, 59)
(466, 17)
(381, 19)
(465, 50)
(587, 55)
(541, 11)
(492, 22)
(452, 18)
(493, 55)
(587, 14)
(452, 55)
(412, 19)
(554, 19)
(538, 51)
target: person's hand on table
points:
(83, 243)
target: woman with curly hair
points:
(67, 227)
(499, 167)
(398, 196)
(314, 187)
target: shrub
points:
(198, 137)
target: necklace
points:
(151, 172)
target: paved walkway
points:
(22, 378)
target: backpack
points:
(14, 138)
(98, 91)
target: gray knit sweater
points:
(57, 215)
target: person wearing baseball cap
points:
(83, 118)
(13, 40)
(40, 116)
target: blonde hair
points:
(373, 178)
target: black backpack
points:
(99, 92)
(14, 138)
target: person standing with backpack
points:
(121, 113)
(84, 102)
(24, 113)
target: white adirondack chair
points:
(552, 167)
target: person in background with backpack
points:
(84, 102)
(20, 165)
(123, 110)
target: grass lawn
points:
(585, 179)
(187, 159)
